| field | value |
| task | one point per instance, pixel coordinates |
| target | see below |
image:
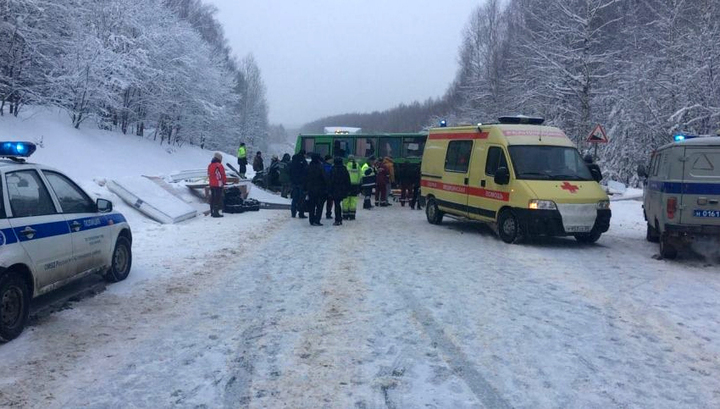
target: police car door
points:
(39, 226)
(701, 186)
(89, 231)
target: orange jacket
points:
(216, 174)
(390, 165)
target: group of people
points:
(258, 163)
(324, 183)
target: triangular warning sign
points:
(598, 135)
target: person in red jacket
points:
(216, 176)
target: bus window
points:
(322, 149)
(342, 147)
(414, 147)
(365, 147)
(308, 144)
(389, 147)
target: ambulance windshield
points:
(538, 162)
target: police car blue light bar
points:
(17, 149)
(681, 137)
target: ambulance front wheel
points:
(433, 213)
(588, 238)
(508, 227)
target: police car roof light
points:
(521, 119)
(682, 137)
(12, 149)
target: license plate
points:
(578, 229)
(707, 213)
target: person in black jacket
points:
(316, 188)
(339, 187)
(298, 174)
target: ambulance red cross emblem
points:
(570, 187)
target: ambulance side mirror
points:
(502, 176)
(595, 172)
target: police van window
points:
(28, 194)
(342, 147)
(656, 166)
(495, 160)
(72, 199)
(458, 156)
(365, 147)
(389, 147)
(414, 147)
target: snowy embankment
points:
(91, 156)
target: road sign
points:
(598, 135)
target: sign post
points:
(597, 136)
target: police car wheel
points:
(667, 250)
(121, 261)
(508, 227)
(432, 212)
(652, 234)
(14, 306)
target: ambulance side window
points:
(457, 158)
(495, 160)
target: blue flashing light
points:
(679, 138)
(17, 149)
(682, 137)
(443, 123)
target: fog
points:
(326, 57)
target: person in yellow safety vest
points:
(242, 159)
(368, 181)
(349, 204)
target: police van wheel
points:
(121, 261)
(508, 227)
(667, 249)
(14, 306)
(652, 234)
(433, 213)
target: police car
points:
(51, 233)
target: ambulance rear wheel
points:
(433, 213)
(508, 227)
(14, 305)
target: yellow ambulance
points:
(525, 178)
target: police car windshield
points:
(538, 162)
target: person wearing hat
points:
(242, 159)
(339, 187)
(217, 179)
(258, 165)
(368, 181)
(349, 204)
(328, 165)
(316, 188)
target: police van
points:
(525, 178)
(51, 233)
(681, 197)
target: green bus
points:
(402, 147)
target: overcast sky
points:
(327, 57)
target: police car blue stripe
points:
(116, 218)
(43, 230)
(7, 237)
(686, 188)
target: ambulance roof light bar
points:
(521, 119)
(17, 151)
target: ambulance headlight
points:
(603, 205)
(542, 205)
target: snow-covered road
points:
(387, 311)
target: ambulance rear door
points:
(455, 177)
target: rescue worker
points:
(368, 181)
(298, 174)
(273, 174)
(327, 166)
(349, 204)
(258, 165)
(339, 187)
(217, 179)
(405, 180)
(242, 160)
(382, 181)
(284, 167)
(316, 188)
(415, 180)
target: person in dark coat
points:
(328, 165)
(258, 164)
(284, 167)
(339, 187)
(316, 188)
(298, 175)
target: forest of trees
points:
(645, 69)
(161, 69)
